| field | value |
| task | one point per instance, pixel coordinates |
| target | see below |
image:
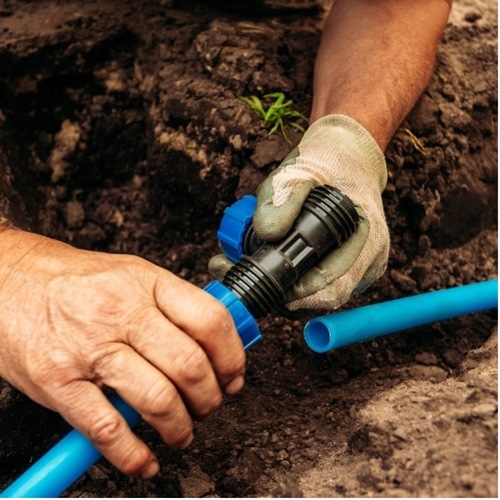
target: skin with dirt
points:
(122, 131)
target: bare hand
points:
(73, 322)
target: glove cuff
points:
(342, 129)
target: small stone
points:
(431, 373)
(311, 453)
(111, 485)
(451, 357)
(453, 116)
(96, 473)
(271, 150)
(484, 409)
(424, 243)
(236, 142)
(400, 434)
(197, 484)
(472, 16)
(448, 91)
(75, 215)
(403, 282)
(427, 358)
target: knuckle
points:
(218, 321)
(136, 462)
(217, 317)
(160, 399)
(106, 430)
(182, 437)
(110, 303)
(132, 260)
(139, 269)
(210, 405)
(194, 366)
(55, 368)
(234, 365)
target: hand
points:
(338, 151)
(73, 322)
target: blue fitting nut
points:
(234, 224)
(245, 323)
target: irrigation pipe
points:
(338, 330)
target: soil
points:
(122, 131)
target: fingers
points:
(218, 266)
(155, 397)
(86, 408)
(208, 323)
(174, 354)
(333, 266)
(278, 204)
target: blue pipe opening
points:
(337, 330)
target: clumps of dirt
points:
(202, 133)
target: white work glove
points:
(336, 150)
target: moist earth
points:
(122, 131)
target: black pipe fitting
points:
(268, 270)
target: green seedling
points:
(278, 115)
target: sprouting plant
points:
(414, 140)
(277, 115)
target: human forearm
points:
(375, 59)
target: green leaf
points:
(278, 114)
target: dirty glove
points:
(338, 151)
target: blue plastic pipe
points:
(64, 463)
(338, 330)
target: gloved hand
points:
(338, 151)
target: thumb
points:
(274, 216)
(218, 266)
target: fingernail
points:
(187, 442)
(235, 385)
(151, 470)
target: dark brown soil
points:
(122, 131)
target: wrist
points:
(15, 246)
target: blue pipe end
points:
(318, 335)
(245, 323)
(334, 331)
(236, 220)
